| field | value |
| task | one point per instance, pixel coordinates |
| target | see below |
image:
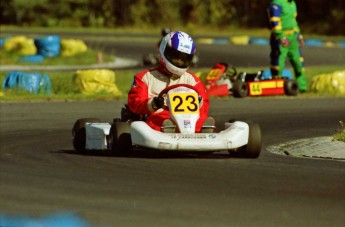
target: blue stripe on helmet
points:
(175, 40)
(193, 49)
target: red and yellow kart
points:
(223, 80)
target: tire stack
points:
(48, 46)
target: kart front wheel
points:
(119, 139)
(290, 87)
(240, 89)
(253, 148)
(79, 133)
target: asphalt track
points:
(40, 174)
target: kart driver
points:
(176, 52)
(286, 40)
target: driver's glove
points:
(284, 42)
(300, 40)
(158, 102)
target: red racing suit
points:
(149, 83)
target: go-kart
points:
(223, 81)
(240, 139)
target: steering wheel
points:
(167, 89)
(231, 72)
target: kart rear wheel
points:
(290, 87)
(254, 142)
(119, 140)
(253, 148)
(79, 133)
(240, 89)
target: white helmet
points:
(176, 52)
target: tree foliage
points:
(317, 16)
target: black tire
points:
(79, 133)
(119, 140)
(253, 148)
(290, 87)
(254, 144)
(240, 89)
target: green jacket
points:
(283, 15)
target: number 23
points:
(191, 104)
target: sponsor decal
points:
(188, 136)
(187, 124)
(185, 46)
(212, 136)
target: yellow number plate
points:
(255, 89)
(184, 103)
(212, 74)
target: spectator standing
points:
(286, 40)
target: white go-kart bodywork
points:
(234, 136)
(183, 103)
(96, 136)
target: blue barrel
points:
(258, 41)
(342, 43)
(313, 42)
(220, 41)
(2, 42)
(32, 82)
(48, 46)
(66, 219)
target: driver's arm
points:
(138, 96)
(199, 86)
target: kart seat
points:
(247, 77)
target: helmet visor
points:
(177, 58)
